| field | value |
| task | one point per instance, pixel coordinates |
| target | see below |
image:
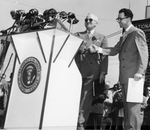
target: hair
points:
(127, 13)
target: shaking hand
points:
(93, 49)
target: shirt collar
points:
(127, 29)
(91, 32)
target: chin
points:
(120, 26)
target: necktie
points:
(125, 34)
(89, 35)
(124, 37)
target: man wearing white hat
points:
(91, 66)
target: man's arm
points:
(104, 61)
(107, 50)
(103, 68)
(111, 51)
(142, 47)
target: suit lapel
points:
(126, 35)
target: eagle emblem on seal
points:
(29, 75)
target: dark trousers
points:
(106, 123)
(118, 126)
(85, 101)
(145, 127)
(117, 122)
(146, 120)
(94, 121)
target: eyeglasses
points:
(120, 19)
(90, 20)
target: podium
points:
(46, 84)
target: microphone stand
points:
(71, 25)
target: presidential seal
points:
(29, 75)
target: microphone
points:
(31, 14)
(72, 18)
(71, 15)
(63, 15)
(16, 14)
(52, 13)
(49, 13)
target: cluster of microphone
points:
(33, 20)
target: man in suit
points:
(133, 56)
(92, 66)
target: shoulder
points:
(99, 36)
(138, 31)
(80, 33)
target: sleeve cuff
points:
(103, 73)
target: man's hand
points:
(137, 76)
(91, 49)
(102, 77)
(83, 47)
(97, 49)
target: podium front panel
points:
(45, 91)
(26, 98)
(64, 87)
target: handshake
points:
(94, 49)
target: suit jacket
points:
(91, 65)
(133, 54)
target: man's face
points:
(122, 20)
(90, 23)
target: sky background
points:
(106, 10)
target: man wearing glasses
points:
(92, 66)
(133, 56)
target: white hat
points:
(92, 16)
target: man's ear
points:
(95, 25)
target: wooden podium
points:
(46, 84)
